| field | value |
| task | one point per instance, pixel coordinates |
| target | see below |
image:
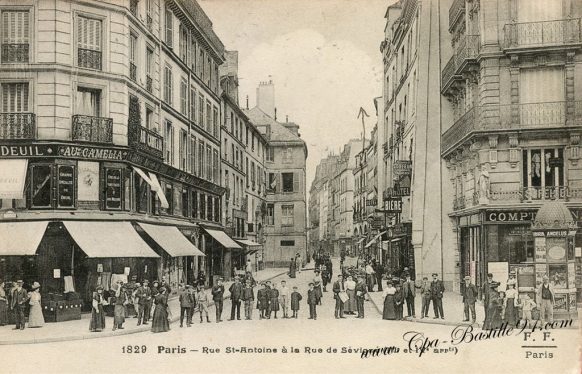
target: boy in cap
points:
(312, 302)
(425, 294)
(295, 299)
(202, 301)
(469, 298)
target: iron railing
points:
(466, 52)
(149, 84)
(147, 140)
(544, 33)
(132, 72)
(15, 52)
(92, 129)
(455, 11)
(133, 7)
(89, 58)
(17, 126)
(525, 116)
(519, 194)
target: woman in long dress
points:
(3, 305)
(511, 297)
(160, 321)
(119, 309)
(292, 268)
(35, 317)
(350, 305)
(97, 315)
(274, 300)
(493, 319)
(389, 311)
(317, 286)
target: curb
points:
(105, 334)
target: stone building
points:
(513, 145)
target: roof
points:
(554, 215)
(279, 133)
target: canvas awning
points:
(374, 240)
(13, 178)
(248, 243)
(108, 239)
(223, 239)
(21, 238)
(171, 240)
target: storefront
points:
(219, 248)
(397, 251)
(251, 251)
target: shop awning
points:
(251, 251)
(171, 240)
(108, 239)
(223, 239)
(396, 240)
(374, 240)
(13, 178)
(152, 180)
(248, 243)
(21, 238)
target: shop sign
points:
(56, 273)
(113, 188)
(65, 187)
(15, 151)
(92, 153)
(561, 302)
(401, 167)
(509, 216)
(393, 205)
(540, 249)
(396, 192)
(372, 202)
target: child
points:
(295, 299)
(202, 301)
(527, 305)
(312, 300)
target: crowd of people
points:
(20, 301)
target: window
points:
(201, 111)
(543, 173)
(141, 194)
(88, 102)
(287, 182)
(184, 97)
(202, 210)
(43, 177)
(113, 188)
(201, 159)
(215, 167)
(193, 155)
(89, 43)
(217, 209)
(169, 27)
(215, 126)
(184, 44)
(208, 124)
(271, 154)
(194, 204)
(248, 175)
(193, 51)
(253, 142)
(247, 137)
(288, 156)
(149, 68)
(272, 187)
(168, 85)
(41, 186)
(270, 214)
(183, 149)
(169, 193)
(287, 243)
(200, 62)
(208, 174)
(232, 153)
(542, 96)
(15, 36)
(15, 97)
(132, 57)
(210, 207)
(169, 143)
(287, 215)
(149, 118)
(192, 104)
(253, 176)
(185, 202)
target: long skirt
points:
(97, 319)
(3, 313)
(351, 304)
(274, 304)
(35, 317)
(510, 312)
(318, 292)
(160, 321)
(389, 308)
(493, 319)
(292, 272)
(118, 314)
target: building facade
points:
(513, 145)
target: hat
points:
(138, 284)
(20, 281)
(489, 275)
(512, 272)
(99, 288)
(145, 281)
(467, 277)
(435, 274)
(545, 277)
(35, 285)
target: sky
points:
(322, 55)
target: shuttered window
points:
(15, 27)
(192, 104)
(89, 33)
(542, 97)
(14, 97)
(193, 155)
(168, 85)
(184, 97)
(287, 215)
(169, 27)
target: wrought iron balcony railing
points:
(133, 7)
(147, 140)
(17, 126)
(15, 52)
(89, 58)
(149, 84)
(92, 129)
(542, 34)
(132, 72)
(456, 10)
(466, 53)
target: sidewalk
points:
(79, 329)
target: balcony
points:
(88, 58)
(132, 72)
(15, 53)
(17, 126)
(149, 84)
(92, 129)
(146, 140)
(464, 57)
(512, 117)
(533, 35)
(456, 11)
(133, 7)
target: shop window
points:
(287, 182)
(185, 202)
(287, 243)
(217, 210)
(270, 214)
(543, 173)
(41, 176)
(169, 192)
(202, 206)
(510, 243)
(287, 215)
(113, 188)
(194, 204)
(141, 194)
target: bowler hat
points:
(467, 277)
(435, 274)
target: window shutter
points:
(296, 183)
(169, 28)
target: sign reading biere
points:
(393, 205)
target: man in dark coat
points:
(338, 286)
(409, 293)
(218, 297)
(18, 304)
(486, 290)
(187, 302)
(248, 296)
(236, 293)
(312, 302)
(295, 299)
(361, 291)
(263, 300)
(143, 295)
(436, 294)
(379, 272)
(469, 298)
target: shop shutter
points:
(296, 182)
(15, 27)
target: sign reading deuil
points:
(393, 205)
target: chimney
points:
(275, 114)
(266, 98)
(247, 102)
